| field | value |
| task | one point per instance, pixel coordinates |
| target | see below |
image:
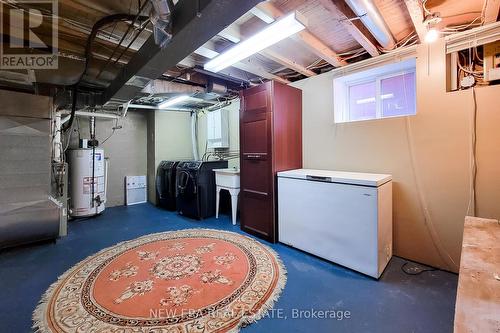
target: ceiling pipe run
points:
(374, 22)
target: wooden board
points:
(478, 296)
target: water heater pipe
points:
(194, 136)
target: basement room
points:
(224, 166)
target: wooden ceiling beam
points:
(264, 16)
(313, 43)
(282, 60)
(490, 10)
(417, 17)
(231, 33)
(357, 30)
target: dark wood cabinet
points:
(270, 141)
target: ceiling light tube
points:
(279, 30)
(173, 101)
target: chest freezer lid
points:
(355, 178)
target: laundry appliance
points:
(165, 184)
(195, 188)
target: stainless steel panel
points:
(26, 213)
(33, 222)
(25, 105)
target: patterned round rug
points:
(195, 280)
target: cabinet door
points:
(257, 186)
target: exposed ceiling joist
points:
(313, 43)
(228, 74)
(247, 65)
(263, 15)
(282, 60)
(357, 30)
(417, 17)
(233, 34)
(187, 62)
(491, 9)
(193, 25)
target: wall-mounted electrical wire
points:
(408, 40)
(470, 64)
(113, 130)
(471, 207)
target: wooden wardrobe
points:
(270, 141)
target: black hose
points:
(141, 29)
(97, 26)
(135, 18)
(88, 56)
(73, 109)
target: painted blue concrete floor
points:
(396, 303)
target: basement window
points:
(381, 92)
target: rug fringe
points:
(269, 304)
(40, 324)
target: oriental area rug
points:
(194, 280)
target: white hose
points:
(194, 136)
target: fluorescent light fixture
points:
(173, 101)
(431, 36)
(279, 30)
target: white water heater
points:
(81, 169)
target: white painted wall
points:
(428, 224)
(169, 137)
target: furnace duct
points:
(374, 22)
(161, 19)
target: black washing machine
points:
(165, 184)
(196, 188)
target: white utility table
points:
(228, 179)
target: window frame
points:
(342, 89)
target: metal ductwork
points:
(373, 20)
(164, 87)
(216, 88)
(194, 23)
(161, 19)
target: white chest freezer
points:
(343, 217)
